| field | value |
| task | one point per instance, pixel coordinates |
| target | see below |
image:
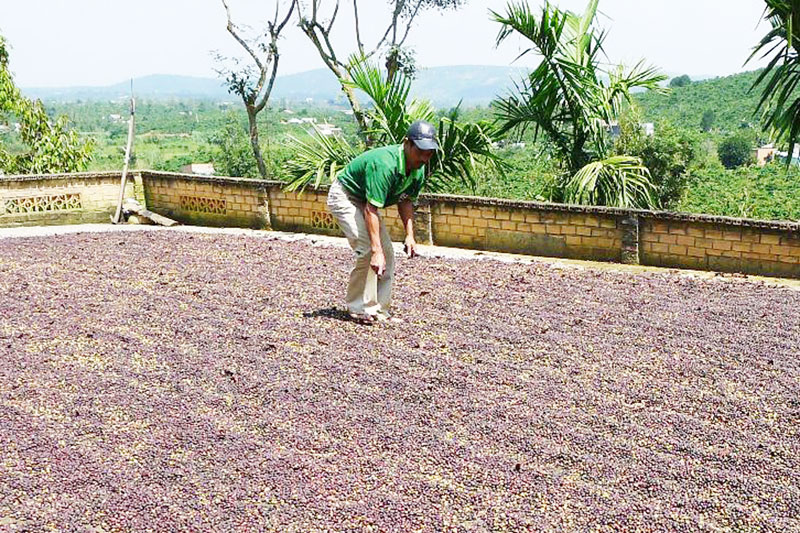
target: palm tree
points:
(568, 99)
(780, 103)
(463, 147)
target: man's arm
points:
(378, 260)
(406, 210)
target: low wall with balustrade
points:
(580, 232)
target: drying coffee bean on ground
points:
(160, 381)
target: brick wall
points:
(207, 201)
(604, 234)
(304, 212)
(728, 245)
(598, 233)
(524, 227)
(37, 200)
(308, 212)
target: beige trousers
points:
(366, 292)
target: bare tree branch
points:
(285, 20)
(333, 18)
(232, 30)
(392, 25)
(404, 12)
(255, 96)
(359, 43)
(272, 57)
(408, 25)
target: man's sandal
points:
(363, 318)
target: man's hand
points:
(406, 210)
(378, 262)
(410, 246)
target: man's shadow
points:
(337, 314)
(329, 312)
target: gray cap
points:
(423, 134)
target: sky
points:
(62, 43)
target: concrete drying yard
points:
(166, 381)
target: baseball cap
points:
(423, 134)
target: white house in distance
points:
(304, 120)
(328, 130)
(204, 169)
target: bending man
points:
(379, 178)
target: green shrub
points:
(707, 122)
(232, 154)
(680, 81)
(736, 150)
(668, 154)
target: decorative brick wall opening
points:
(42, 204)
(322, 220)
(198, 204)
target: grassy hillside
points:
(729, 98)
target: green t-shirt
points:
(378, 176)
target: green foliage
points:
(174, 164)
(318, 160)
(464, 150)
(680, 81)
(618, 181)
(43, 146)
(392, 111)
(729, 99)
(568, 100)
(771, 192)
(667, 154)
(462, 147)
(399, 59)
(528, 176)
(232, 153)
(736, 150)
(780, 100)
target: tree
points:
(462, 146)
(398, 59)
(254, 86)
(780, 102)
(566, 99)
(680, 81)
(231, 154)
(707, 122)
(736, 150)
(46, 146)
(668, 154)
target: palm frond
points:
(461, 148)
(779, 105)
(618, 181)
(565, 98)
(318, 160)
(392, 111)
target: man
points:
(379, 178)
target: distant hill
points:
(729, 98)
(444, 86)
(157, 86)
